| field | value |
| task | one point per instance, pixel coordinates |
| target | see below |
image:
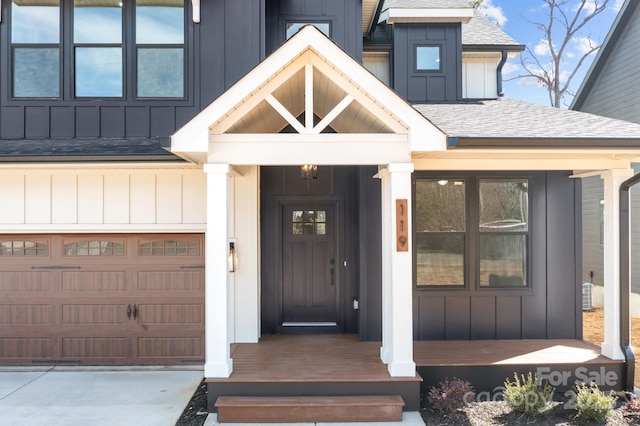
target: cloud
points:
(589, 6)
(583, 44)
(493, 13)
(617, 5)
(510, 68)
(542, 48)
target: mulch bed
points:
(195, 413)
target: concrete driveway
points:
(97, 397)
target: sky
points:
(518, 17)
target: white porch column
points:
(397, 275)
(612, 180)
(218, 362)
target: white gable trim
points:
(197, 139)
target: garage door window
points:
(94, 248)
(170, 248)
(23, 248)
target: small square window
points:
(428, 58)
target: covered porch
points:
(341, 364)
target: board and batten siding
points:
(549, 309)
(616, 93)
(102, 200)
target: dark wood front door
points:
(309, 272)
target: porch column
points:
(218, 362)
(612, 180)
(397, 274)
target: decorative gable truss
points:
(307, 102)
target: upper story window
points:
(113, 49)
(428, 58)
(294, 27)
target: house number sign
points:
(402, 226)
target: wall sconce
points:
(309, 171)
(233, 257)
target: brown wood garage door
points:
(101, 299)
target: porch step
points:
(295, 409)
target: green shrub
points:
(526, 395)
(592, 403)
(451, 395)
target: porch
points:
(341, 365)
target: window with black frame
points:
(471, 231)
(101, 37)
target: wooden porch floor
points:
(339, 357)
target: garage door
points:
(101, 299)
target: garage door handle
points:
(56, 267)
(135, 311)
(129, 311)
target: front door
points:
(309, 273)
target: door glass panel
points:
(309, 222)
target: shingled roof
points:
(478, 32)
(494, 122)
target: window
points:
(309, 222)
(428, 58)
(23, 248)
(102, 35)
(471, 231)
(94, 248)
(35, 37)
(170, 248)
(293, 27)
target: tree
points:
(566, 24)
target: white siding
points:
(378, 64)
(102, 200)
(479, 78)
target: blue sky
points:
(514, 17)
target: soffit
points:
(369, 8)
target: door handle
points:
(129, 311)
(332, 271)
(135, 312)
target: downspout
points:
(625, 282)
(505, 54)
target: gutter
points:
(625, 281)
(505, 54)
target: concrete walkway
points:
(97, 397)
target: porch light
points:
(443, 182)
(309, 171)
(233, 258)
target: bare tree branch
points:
(561, 29)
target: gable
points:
(307, 97)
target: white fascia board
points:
(402, 15)
(293, 149)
